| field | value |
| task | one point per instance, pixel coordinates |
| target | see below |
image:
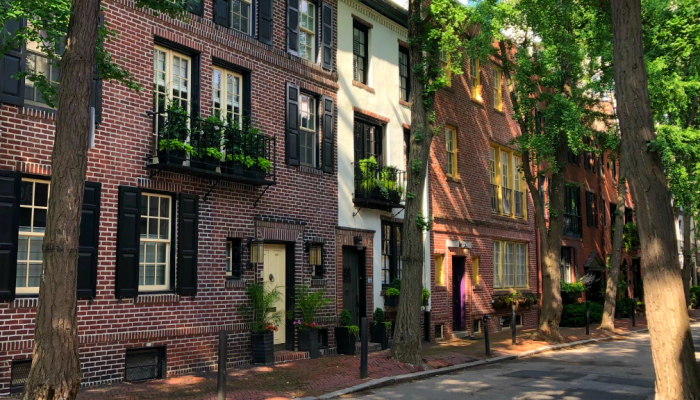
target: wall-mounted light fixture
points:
(257, 251)
(315, 254)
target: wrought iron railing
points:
(378, 184)
(518, 202)
(494, 198)
(573, 225)
(213, 146)
(506, 200)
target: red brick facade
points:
(461, 205)
(301, 207)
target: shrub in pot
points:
(346, 335)
(260, 306)
(425, 296)
(391, 294)
(307, 304)
(381, 329)
(173, 133)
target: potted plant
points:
(391, 294)
(308, 303)
(389, 185)
(366, 176)
(381, 329)
(261, 306)
(245, 150)
(206, 140)
(173, 133)
(346, 335)
(425, 296)
(525, 300)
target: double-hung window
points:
(34, 206)
(391, 252)
(509, 265)
(233, 259)
(156, 224)
(591, 209)
(404, 73)
(359, 52)
(226, 95)
(507, 192)
(307, 30)
(240, 15)
(497, 89)
(307, 132)
(38, 63)
(451, 149)
(572, 211)
(171, 81)
(475, 79)
(568, 262)
(507, 185)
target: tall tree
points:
(437, 32)
(555, 62)
(55, 371)
(608, 322)
(677, 372)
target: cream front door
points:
(274, 275)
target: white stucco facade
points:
(380, 98)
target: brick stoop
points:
(371, 348)
(288, 356)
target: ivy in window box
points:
(389, 184)
(521, 300)
(346, 335)
(245, 150)
(206, 140)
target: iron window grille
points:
(19, 373)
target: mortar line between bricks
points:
(392, 380)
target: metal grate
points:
(144, 364)
(19, 374)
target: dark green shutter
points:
(11, 89)
(195, 7)
(10, 191)
(292, 134)
(265, 21)
(187, 240)
(128, 242)
(327, 36)
(222, 16)
(89, 241)
(293, 27)
(328, 125)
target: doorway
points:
(459, 313)
(354, 288)
(275, 275)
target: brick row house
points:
(169, 241)
(483, 241)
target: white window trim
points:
(224, 93)
(33, 289)
(314, 132)
(167, 242)
(307, 31)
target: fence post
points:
(223, 356)
(513, 327)
(486, 335)
(363, 351)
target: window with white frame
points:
(307, 133)
(509, 265)
(171, 79)
(307, 30)
(451, 149)
(226, 95)
(34, 206)
(38, 63)
(240, 15)
(156, 223)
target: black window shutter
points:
(10, 192)
(293, 27)
(222, 15)
(128, 242)
(327, 36)
(292, 137)
(328, 124)
(265, 21)
(89, 241)
(11, 89)
(187, 245)
(195, 7)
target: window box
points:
(263, 348)
(213, 149)
(377, 186)
(346, 340)
(308, 341)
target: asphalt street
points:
(610, 370)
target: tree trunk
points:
(688, 264)
(407, 339)
(677, 373)
(55, 371)
(608, 322)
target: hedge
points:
(574, 315)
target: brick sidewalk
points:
(315, 377)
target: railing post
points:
(223, 355)
(486, 335)
(513, 327)
(364, 347)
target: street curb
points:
(392, 380)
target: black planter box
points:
(174, 156)
(391, 301)
(346, 341)
(263, 348)
(308, 341)
(379, 335)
